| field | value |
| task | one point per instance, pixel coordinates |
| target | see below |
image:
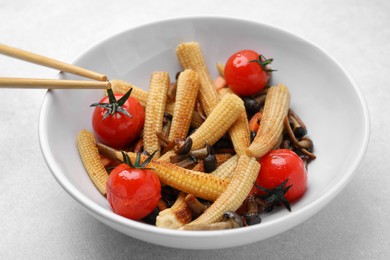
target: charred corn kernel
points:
(121, 87)
(154, 111)
(200, 184)
(276, 107)
(231, 199)
(226, 169)
(239, 132)
(186, 94)
(190, 57)
(218, 122)
(176, 216)
(91, 159)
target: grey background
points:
(39, 220)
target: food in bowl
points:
(207, 185)
(323, 95)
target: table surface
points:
(41, 221)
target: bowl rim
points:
(109, 215)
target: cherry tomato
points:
(279, 165)
(133, 193)
(246, 72)
(118, 130)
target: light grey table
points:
(39, 220)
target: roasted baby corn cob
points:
(154, 111)
(218, 122)
(226, 169)
(186, 94)
(276, 107)
(91, 159)
(231, 199)
(180, 213)
(200, 184)
(190, 57)
(196, 119)
(216, 125)
(121, 87)
(176, 216)
(239, 132)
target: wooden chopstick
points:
(52, 83)
(48, 62)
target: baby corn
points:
(176, 216)
(196, 119)
(200, 184)
(154, 111)
(180, 213)
(190, 57)
(232, 198)
(186, 94)
(276, 107)
(187, 91)
(239, 132)
(226, 169)
(91, 159)
(121, 87)
(218, 122)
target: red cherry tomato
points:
(133, 193)
(244, 75)
(278, 166)
(118, 130)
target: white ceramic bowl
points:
(323, 94)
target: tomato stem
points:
(137, 164)
(114, 105)
(264, 62)
(275, 196)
